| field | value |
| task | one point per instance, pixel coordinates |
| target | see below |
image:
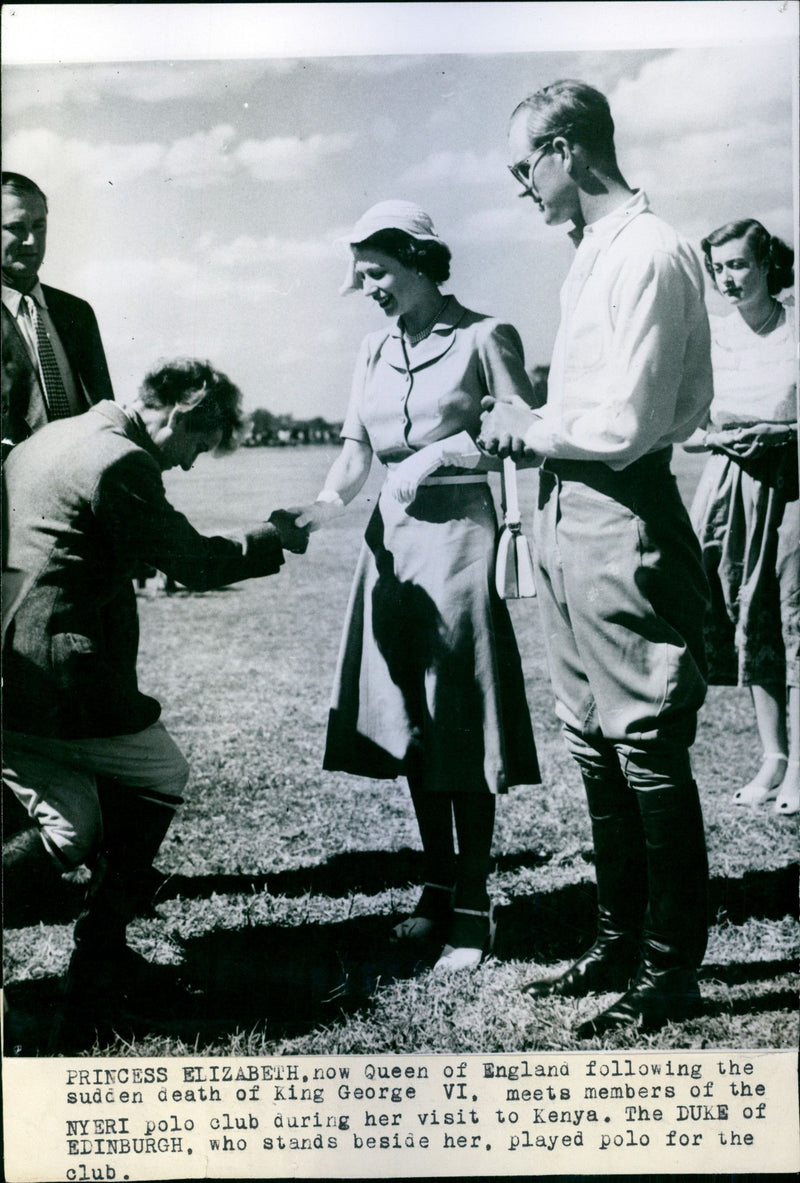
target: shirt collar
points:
(449, 317)
(12, 298)
(437, 342)
(605, 229)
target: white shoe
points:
(764, 786)
(469, 926)
(787, 802)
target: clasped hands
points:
(293, 536)
(504, 425)
(745, 443)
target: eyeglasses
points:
(523, 170)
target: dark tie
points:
(57, 402)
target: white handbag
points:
(513, 563)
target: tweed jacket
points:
(23, 406)
(86, 504)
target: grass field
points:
(284, 879)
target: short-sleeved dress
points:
(746, 512)
(429, 672)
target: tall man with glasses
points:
(621, 587)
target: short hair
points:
(572, 109)
(17, 183)
(214, 401)
(427, 256)
(765, 247)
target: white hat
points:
(387, 215)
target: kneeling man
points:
(86, 506)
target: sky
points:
(197, 192)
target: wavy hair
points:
(430, 258)
(573, 109)
(214, 402)
(766, 248)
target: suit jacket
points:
(23, 405)
(88, 505)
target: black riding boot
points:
(121, 881)
(621, 894)
(31, 876)
(676, 923)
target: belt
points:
(589, 471)
(477, 478)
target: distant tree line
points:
(280, 431)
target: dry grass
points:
(284, 879)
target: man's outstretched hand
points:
(293, 537)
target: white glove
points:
(405, 478)
(328, 506)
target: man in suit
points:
(32, 392)
(41, 327)
(89, 504)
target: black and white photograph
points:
(401, 587)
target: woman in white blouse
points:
(746, 508)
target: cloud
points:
(248, 251)
(750, 157)
(27, 87)
(189, 282)
(501, 224)
(686, 91)
(204, 158)
(459, 168)
(285, 158)
(709, 134)
(211, 157)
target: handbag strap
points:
(512, 514)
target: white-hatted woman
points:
(429, 683)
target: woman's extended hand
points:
(318, 513)
(745, 443)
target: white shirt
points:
(15, 303)
(631, 368)
(755, 377)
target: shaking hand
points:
(312, 517)
(293, 537)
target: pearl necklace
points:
(775, 308)
(415, 338)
